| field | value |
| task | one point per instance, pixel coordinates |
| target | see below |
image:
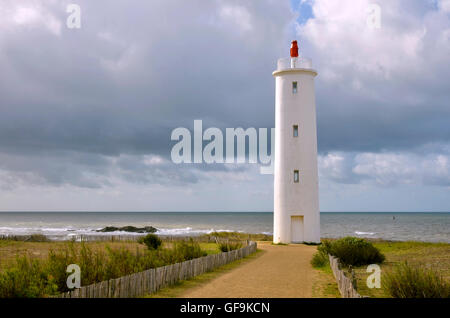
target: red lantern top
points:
(294, 49)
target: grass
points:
(320, 259)
(238, 236)
(180, 287)
(325, 284)
(420, 255)
(427, 262)
(407, 281)
(9, 250)
(37, 269)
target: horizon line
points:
(78, 211)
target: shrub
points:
(152, 241)
(320, 259)
(406, 281)
(353, 251)
(229, 246)
(184, 251)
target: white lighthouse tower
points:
(296, 191)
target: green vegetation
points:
(238, 236)
(324, 285)
(152, 241)
(27, 279)
(423, 256)
(407, 281)
(229, 246)
(410, 269)
(350, 251)
(34, 277)
(320, 259)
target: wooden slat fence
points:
(345, 283)
(150, 281)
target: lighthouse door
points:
(297, 229)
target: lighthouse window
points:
(296, 176)
(294, 87)
(295, 130)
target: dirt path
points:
(281, 271)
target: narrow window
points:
(295, 130)
(294, 87)
(296, 176)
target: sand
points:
(281, 271)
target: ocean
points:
(430, 227)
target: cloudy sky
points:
(86, 114)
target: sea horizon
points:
(74, 211)
(398, 226)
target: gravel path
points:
(281, 271)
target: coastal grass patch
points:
(320, 259)
(10, 250)
(31, 276)
(238, 236)
(406, 281)
(324, 285)
(179, 288)
(430, 262)
(422, 256)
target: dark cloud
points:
(84, 107)
(117, 87)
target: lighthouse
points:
(296, 189)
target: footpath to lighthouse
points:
(281, 271)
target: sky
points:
(86, 114)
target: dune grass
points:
(239, 236)
(325, 284)
(406, 281)
(421, 257)
(38, 269)
(428, 265)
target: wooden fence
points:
(345, 284)
(150, 281)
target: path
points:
(281, 271)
